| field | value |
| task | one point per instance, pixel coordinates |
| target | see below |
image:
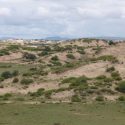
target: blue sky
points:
(66, 18)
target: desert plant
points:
(29, 56)
(25, 81)
(15, 80)
(121, 98)
(75, 98)
(110, 69)
(99, 98)
(6, 75)
(70, 56)
(116, 76)
(121, 86)
(55, 58)
(4, 52)
(108, 58)
(15, 73)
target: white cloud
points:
(4, 11)
(42, 11)
(62, 17)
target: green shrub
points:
(39, 92)
(15, 73)
(116, 76)
(108, 58)
(110, 69)
(75, 98)
(79, 81)
(81, 52)
(70, 56)
(15, 80)
(121, 98)
(5, 96)
(55, 58)
(100, 98)
(13, 47)
(57, 124)
(121, 86)
(6, 75)
(31, 48)
(43, 53)
(97, 49)
(48, 94)
(4, 52)
(75, 80)
(25, 81)
(20, 99)
(47, 49)
(68, 80)
(27, 74)
(29, 56)
(56, 63)
(1, 79)
(111, 42)
(101, 77)
(68, 47)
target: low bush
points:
(13, 47)
(48, 94)
(5, 96)
(111, 42)
(81, 52)
(43, 53)
(121, 98)
(100, 98)
(75, 98)
(69, 80)
(15, 80)
(6, 75)
(56, 63)
(15, 73)
(121, 86)
(1, 79)
(70, 56)
(116, 76)
(110, 69)
(109, 58)
(25, 81)
(4, 52)
(55, 58)
(29, 56)
(38, 93)
(76, 81)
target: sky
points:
(65, 18)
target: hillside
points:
(79, 70)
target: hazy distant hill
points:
(56, 38)
(6, 38)
(109, 38)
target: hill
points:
(78, 70)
